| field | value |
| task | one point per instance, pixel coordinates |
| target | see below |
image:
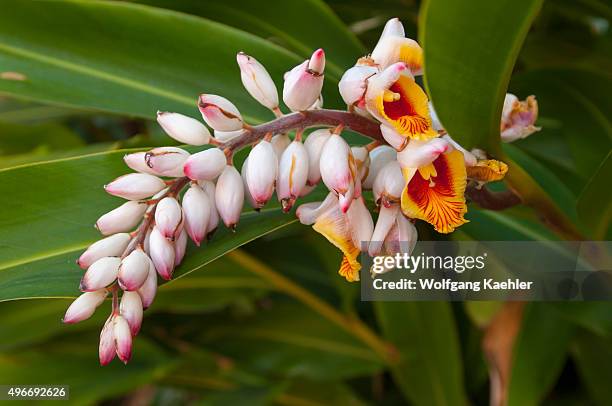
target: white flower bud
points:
(131, 310)
(303, 83)
(123, 218)
(229, 196)
(257, 81)
(106, 351)
(205, 165)
(84, 306)
(135, 186)
(213, 221)
(261, 172)
(133, 270)
(292, 174)
(148, 290)
(197, 209)
(112, 246)
(354, 84)
(180, 246)
(314, 147)
(389, 184)
(386, 219)
(225, 136)
(219, 113)
(336, 168)
(394, 139)
(137, 162)
(247, 193)
(167, 161)
(183, 128)
(162, 254)
(169, 217)
(379, 157)
(360, 223)
(421, 153)
(100, 274)
(123, 338)
(280, 142)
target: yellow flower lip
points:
(487, 170)
(436, 193)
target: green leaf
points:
(593, 356)
(595, 201)
(430, 368)
(291, 339)
(127, 58)
(72, 362)
(539, 353)
(47, 220)
(300, 26)
(470, 50)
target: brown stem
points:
(149, 218)
(305, 119)
(492, 200)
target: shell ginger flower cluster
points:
(413, 167)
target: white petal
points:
(169, 217)
(100, 274)
(219, 113)
(84, 306)
(257, 81)
(229, 196)
(183, 128)
(261, 172)
(133, 270)
(197, 209)
(135, 186)
(205, 165)
(131, 309)
(379, 157)
(314, 148)
(112, 246)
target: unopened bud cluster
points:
(174, 195)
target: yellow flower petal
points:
(333, 226)
(487, 170)
(404, 106)
(440, 199)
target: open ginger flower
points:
(395, 99)
(435, 189)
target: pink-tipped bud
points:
(280, 142)
(148, 290)
(183, 128)
(180, 246)
(213, 221)
(389, 184)
(123, 218)
(137, 161)
(292, 174)
(314, 147)
(112, 246)
(162, 254)
(335, 165)
(84, 306)
(354, 84)
(420, 153)
(106, 351)
(123, 338)
(205, 165)
(219, 113)
(229, 196)
(100, 274)
(169, 217)
(257, 81)
(303, 83)
(197, 209)
(261, 172)
(247, 193)
(135, 186)
(379, 157)
(131, 309)
(133, 270)
(225, 136)
(167, 161)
